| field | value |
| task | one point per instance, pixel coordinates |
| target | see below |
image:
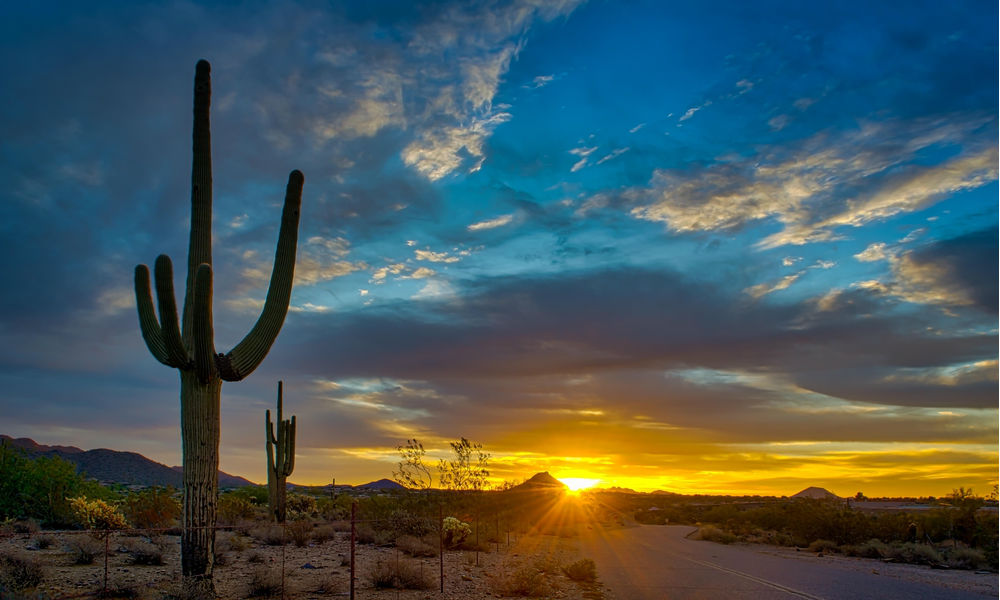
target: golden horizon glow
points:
(577, 484)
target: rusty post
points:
(354, 537)
(283, 542)
(441, 544)
(107, 544)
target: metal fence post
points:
(354, 537)
(441, 544)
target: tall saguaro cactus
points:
(280, 460)
(189, 346)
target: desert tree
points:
(189, 345)
(468, 470)
(413, 472)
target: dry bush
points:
(25, 526)
(155, 508)
(400, 575)
(324, 533)
(255, 558)
(712, 533)
(524, 581)
(142, 552)
(19, 573)
(824, 546)
(264, 583)
(967, 558)
(269, 535)
(415, 546)
(365, 534)
(332, 585)
(871, 549)
(916, 554)
(119, 591)
(84, 549)
(582, 570)
(43, 542)
(299, 532)
(341, 526)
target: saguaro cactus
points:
(190, 347)
(280, 460)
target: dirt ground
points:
(530, 564)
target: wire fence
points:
(104, 564)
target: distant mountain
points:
(112, 466)
(817, 493)
(540, 482)
(381, 484)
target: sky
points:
(714, 247)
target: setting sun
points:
(576, 484)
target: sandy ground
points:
(319, 570)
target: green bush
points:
(824, 546)
(155, 508)
(711, 533)
(967, 558)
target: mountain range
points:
(113, 466)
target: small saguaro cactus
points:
(280, 460)
(189, 346)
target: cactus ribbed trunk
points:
(188, 344)
(200, 424)
(280, 460)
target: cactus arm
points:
(171, 334)
(204, 344)
(248, 354)
(148, 324)
(269, 437)
(290, 451)
(200, 241)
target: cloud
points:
(583, 152)
(874, 252)
(441, 257)
(613, 154)
(763, 289)
(825, 183)
(491, 223)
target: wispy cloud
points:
(583, 152)
(827, 183)
(491, 223)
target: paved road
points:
(659, 563)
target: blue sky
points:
(723, 247)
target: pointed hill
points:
(817, 493)
(540, 482)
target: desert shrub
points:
(365, 534)
(42, 542)
(455, 532)
(300, 505)
(299, 532)
(155, 508)
(581, 570)
(84, 549)
(233, 509)
(119, 591)
(97, 514)
(264, 583)
(25, 526)
(142, 552)
(333, 509)
(918, 554)
(871, 549)
(324, 533)
(341, 526)
(405, 523)
(230, 541)
(823, 546)
(711, 533)
(332, 585)
(19, 573)
(269, 535)
(967, 558)
(398, 574)
(255, 558)
(415, 546)
(523, 581)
